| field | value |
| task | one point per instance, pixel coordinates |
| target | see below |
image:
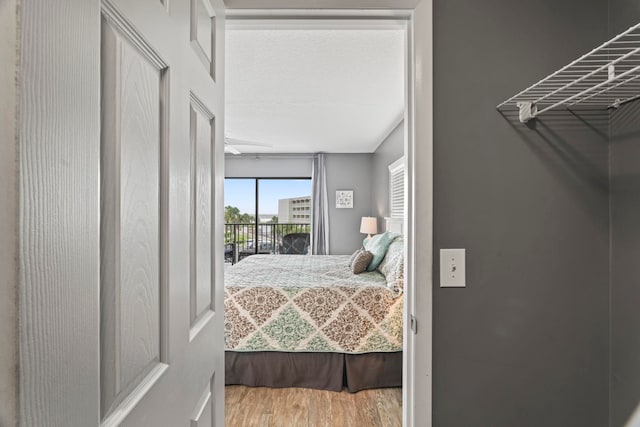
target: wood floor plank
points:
(341, 410)
(254, 410)
(369, 412)
(389, 406)
(291, 406)
(233, 395)
(299, 407)
(320, 410)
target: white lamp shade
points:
(369, 225)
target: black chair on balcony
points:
(230, 253)
(295, 244)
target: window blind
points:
(396, 188)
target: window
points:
(259, 211)
(396, 188)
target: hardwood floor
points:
(300, 407)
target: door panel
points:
(202, 143)
(204, 415)
(162, 323)
(133, 142)
(203, 33)
(139, 285)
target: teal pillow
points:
(378, 246)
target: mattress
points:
(292, 303)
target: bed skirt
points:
(322, 371)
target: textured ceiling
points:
(311, 89)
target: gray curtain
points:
(320, 207)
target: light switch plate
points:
(452, 268)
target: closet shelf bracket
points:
(606, 77)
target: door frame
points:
(419, 201)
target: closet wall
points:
(625, 240)
(526, 343)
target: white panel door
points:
(120, 180)
(161, 321)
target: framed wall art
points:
(344, 199)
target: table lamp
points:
(369, 225)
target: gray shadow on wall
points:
(624, 123)
(572, 145)
(625, 150)
(596, 121)
(581, 164)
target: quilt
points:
(309, 303)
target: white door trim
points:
(408, 353)
(418, 80)
(418, 374)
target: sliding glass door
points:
(260, 212)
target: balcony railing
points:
(249, 239)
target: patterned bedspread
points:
(298, 303)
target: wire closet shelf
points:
(606, 77)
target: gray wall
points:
(348, 172)
(625, 240)
(526, 343)
(390, 150)
(625, 268)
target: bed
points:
(308, 321)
